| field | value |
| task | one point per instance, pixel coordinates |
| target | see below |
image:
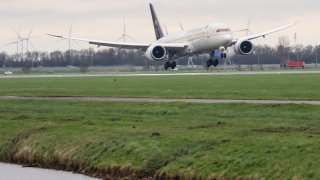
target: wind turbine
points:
(70, 44)
(28, 40)
(70, 33)
(248, 32)
(25, 39)
(165, 27)
(17, 42)
(247, 29)
(182, 28)
(125, 36)
(18, 38)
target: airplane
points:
(211, 39)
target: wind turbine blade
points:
(30, 33)
(70, 34)
(249, 23)
(14, 30)
(165, 27)
(248, 27)
(16, 42)
(180, 23)
(77, 43)
(60, 40)
(70, 30)
(124, 26)
(131, 38)
(120, 38)
(17, 33)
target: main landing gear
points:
(212, 62)
(169, 64)
(215, 62)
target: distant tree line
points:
(263, 54)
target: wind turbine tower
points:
(28, 40)
(125, 36)
(17, 42)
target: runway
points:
(161, 100)
(172, 73)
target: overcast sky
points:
(102, 19)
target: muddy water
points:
(16, 172)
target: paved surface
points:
(159, 100)
(160, 74)
(16, 172)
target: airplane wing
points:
(263, 34)
(130, 46)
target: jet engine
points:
(156, 52)
(243, 47)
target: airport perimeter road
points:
(161, 74)
(160, 100)
(16, 172)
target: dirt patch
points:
(72, 119)
(114, 119)
(315, 132)
(21, 117)
(155, 134)
(88, 123)
(208, 126)
(282, 129)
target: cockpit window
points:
(223, 30)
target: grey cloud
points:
(103, 18)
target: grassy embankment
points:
(290, 86)
(164, 140)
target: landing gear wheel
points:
(173, 65)
(215, 63)
(209, 62)
(223, 55)
(166, 65)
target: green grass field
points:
(283, 87)
(165, 140)
(185, 140)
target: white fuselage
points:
(201, 40)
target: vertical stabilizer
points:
(156, 23)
